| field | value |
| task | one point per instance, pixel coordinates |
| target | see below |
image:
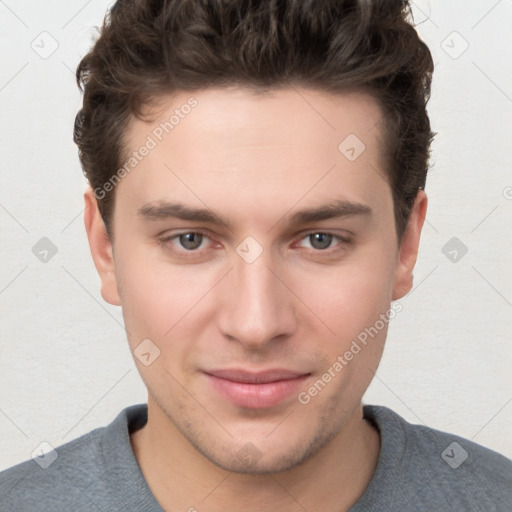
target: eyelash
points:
(343, 242)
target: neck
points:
(181, 478)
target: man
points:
(256, 203)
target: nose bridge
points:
(259, 309)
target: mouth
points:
(256, 390)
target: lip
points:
(256, 390)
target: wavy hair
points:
(150, 48)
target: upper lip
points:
(261, 377)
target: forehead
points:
(264, 148)
(235, 114)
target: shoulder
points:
(44, 482)
(80, 475)
(441, 469)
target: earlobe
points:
(408, 252)
(101, 249)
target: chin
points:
(251, 460)
(260, 466)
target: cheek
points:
(146, 296)
(159, 300)
(348, 298)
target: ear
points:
(409, 247)
(101, 249)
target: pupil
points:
(320, 240)
(191, 240)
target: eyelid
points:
(344, 237)
(167, 239)
(343, 241)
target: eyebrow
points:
(336, 209)
(163, 210)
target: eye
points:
(185, 242)
(190, 241)
(321, 241)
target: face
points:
(254, 244)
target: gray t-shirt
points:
(419, 469)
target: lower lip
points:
(256, 396)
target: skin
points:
(254, 160)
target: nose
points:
(257, 308)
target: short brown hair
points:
(149, 48)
